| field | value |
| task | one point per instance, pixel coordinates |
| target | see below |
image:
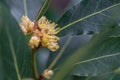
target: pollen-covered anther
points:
(26, 25)
(34, 41)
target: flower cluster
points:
(44, 32)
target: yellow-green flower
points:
(26, 25)
(44, 32)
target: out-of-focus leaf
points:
(1, 71)
(78, 78)
(104, 65)
(14, 51)
(103, 77)
(94, 23)
(17, 8)
(106, 77)
(83, 53)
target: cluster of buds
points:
(44, 32)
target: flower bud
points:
(48, 73)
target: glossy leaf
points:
(102, 21)
(94, 23)
(14, 51)
(82, 54)
(95, 66)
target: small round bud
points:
(48, 73)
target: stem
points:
(25, 7)
(43, 9)
(34, 64)
(81, 19)
(60, 53)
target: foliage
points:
(15, 53)
(89, 41)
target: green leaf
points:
(91, 19)
(104, 77)
(17, 8)
(14, 51)
(104, 61)
(1, 71)
(82, 54)
(78, 78)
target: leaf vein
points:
(13, 53)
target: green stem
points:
(43, 9)
(81, 19)
(34, 64)
(25, 7)
(60, 53)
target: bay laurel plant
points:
(83, 43)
